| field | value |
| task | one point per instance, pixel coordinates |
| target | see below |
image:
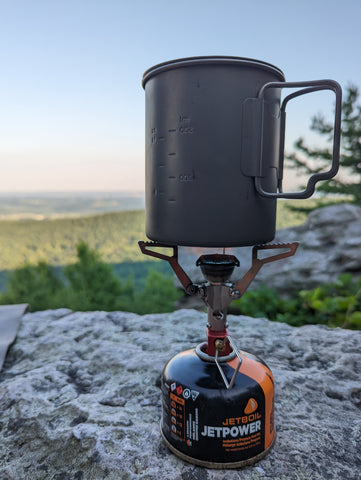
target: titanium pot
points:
(214, 150)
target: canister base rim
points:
(217, 465)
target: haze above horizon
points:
(71, 101)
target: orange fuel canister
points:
(210, 425)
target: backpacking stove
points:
(218, 401)
(214, 165)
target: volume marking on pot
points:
(186, 130)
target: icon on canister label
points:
(186, 393)
(251, 406)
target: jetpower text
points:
(231, 432)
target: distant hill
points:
(40, 206)
(114, 235)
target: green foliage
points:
(139, 271)
(308, 160)
(114, 235)
(34, 284)
(92, 283)
(336, 304)
(88, 284)
(159, 295)
(264, 302)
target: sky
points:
(71, 101)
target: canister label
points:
(219, 425)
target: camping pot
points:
(214, 149)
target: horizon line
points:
(135, 192)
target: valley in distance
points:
(47, 227)
(52, 205)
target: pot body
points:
(200, 163)
(208, 425)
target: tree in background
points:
(309, 160)
(88, 284)
(159, 295)
(36, 285)
(92, 283)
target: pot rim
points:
(210, 60)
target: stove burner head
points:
(217, 268)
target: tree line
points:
(86, 285)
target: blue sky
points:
(71, 101)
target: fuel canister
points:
(209, 425)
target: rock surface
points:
(330, 244)
(80, 398)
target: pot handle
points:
(306, 87)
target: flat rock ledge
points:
(80, 397)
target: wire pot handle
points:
(306, 87)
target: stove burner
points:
(218, 293)
(217, 268)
